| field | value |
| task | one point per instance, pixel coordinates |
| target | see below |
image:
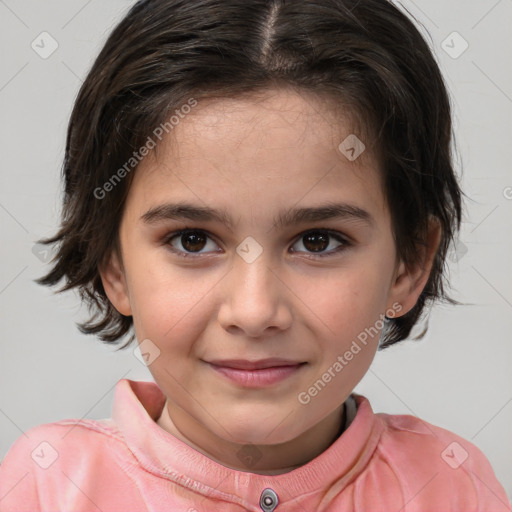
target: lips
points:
(243, 364)
(256, 374)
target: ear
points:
(114, 282)
(409, 281)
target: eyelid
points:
(342, 237)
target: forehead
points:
(273, 147)
(270, 121)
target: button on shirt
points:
(381, 462)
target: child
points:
(262, 193)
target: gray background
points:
(459, 377)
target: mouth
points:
(256, 374)
(244, 364)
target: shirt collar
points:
(138, 404)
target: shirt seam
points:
(92, 425)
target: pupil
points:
(193, 241)
(316, 242)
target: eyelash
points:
(337, 236)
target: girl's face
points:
(286, 252)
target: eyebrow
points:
(188, 211)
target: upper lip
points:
(243, 364)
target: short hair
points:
(364, 54)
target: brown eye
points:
(316, 242)
(193, 241)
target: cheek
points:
(351, 299)
(168, 302)
(350, 309)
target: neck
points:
(261, 459)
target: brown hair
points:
(365, 53)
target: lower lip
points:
(257, 378)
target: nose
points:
(256, 301)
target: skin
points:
(254, 156)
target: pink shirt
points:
(129, 463)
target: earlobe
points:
(114, 282)
(409, 281)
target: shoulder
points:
(50, 441)
(431, 443)
(46, 455)
(438, 466)
(59, 442)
